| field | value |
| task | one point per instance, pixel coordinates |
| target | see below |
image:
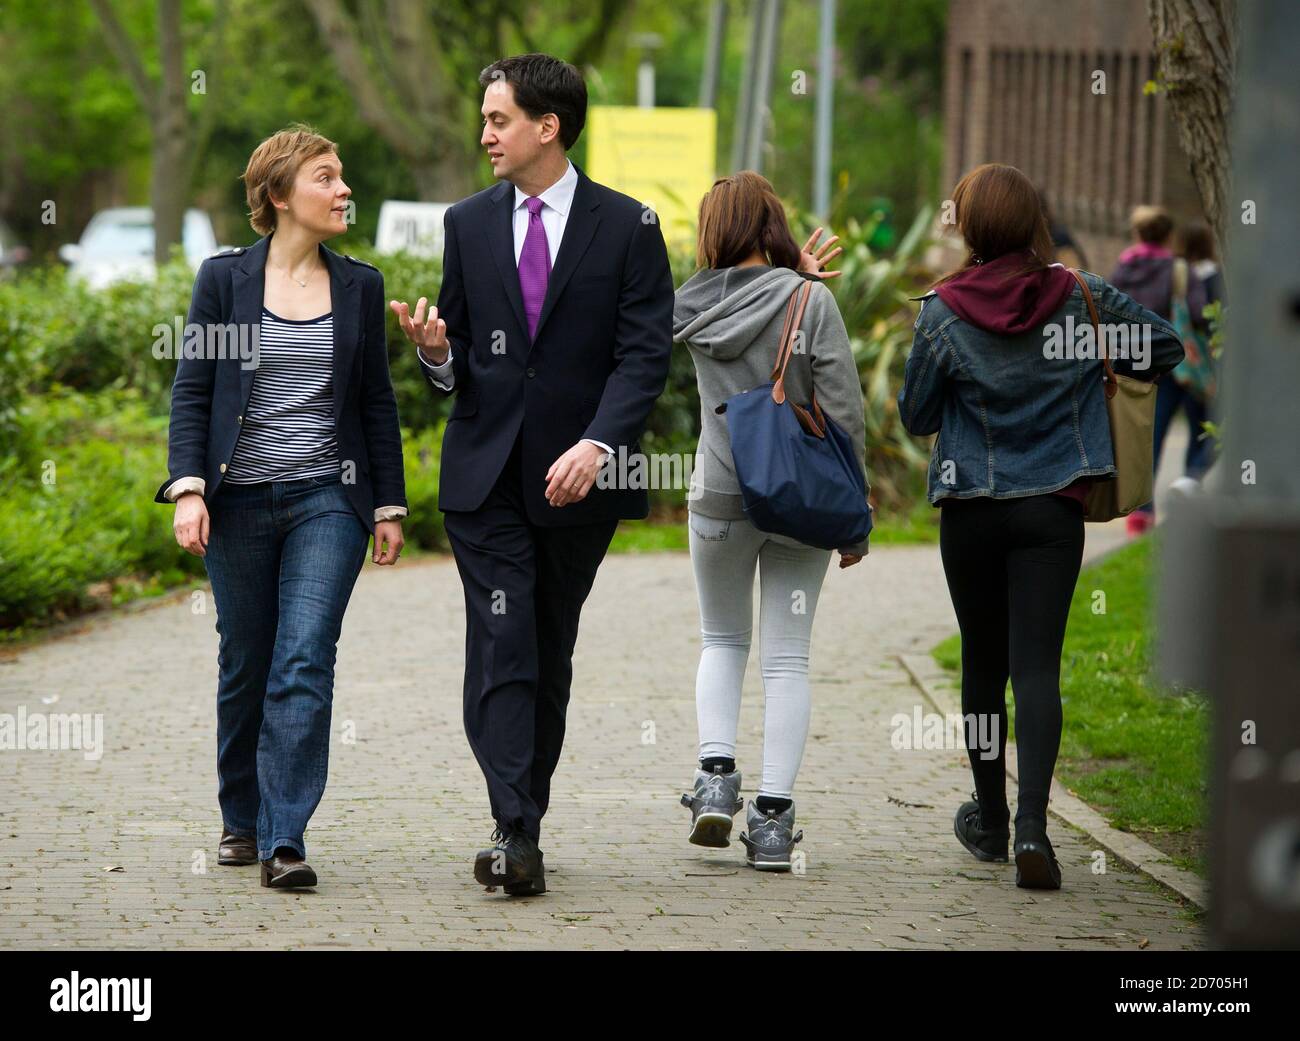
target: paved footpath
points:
(120, 852)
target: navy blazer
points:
(209, 395)
(597, 365)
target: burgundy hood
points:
(996, 298)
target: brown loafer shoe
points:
(287, 870)
(236, 850)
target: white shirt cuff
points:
(599, 444)
(182, 485)
(442, 375)
(384, 513)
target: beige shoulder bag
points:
(1131, 408)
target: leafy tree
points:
(176, 142)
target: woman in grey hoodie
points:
(729, 314)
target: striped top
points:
(288, 428)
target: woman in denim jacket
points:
(1004, 369)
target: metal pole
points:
(744, 108)
(761, 100)
(713, 51)
(645, 82)
(1230, 590)
(825, 105)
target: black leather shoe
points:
(988, 844)
(1036, 865)
(236, 850)
(514, 863)
(287, 870)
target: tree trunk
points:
(1196, 54)
(169, 183)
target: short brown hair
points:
(999, 211)
(272, 168)
(1151, 224)
(742, 215)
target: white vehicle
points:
(117, 245)
(415, 227)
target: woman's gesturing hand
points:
(813, 258)
(388, 542)
(190, 524)
(429, 335)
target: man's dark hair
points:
(544, 84)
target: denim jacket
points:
(1023, 414)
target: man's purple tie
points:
(534, 265)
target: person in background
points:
(1196, 246)
(1145, 272)
(1067, 250)
(1022, 434)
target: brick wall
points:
(1019, 89)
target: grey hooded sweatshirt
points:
(730, 320)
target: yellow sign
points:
(663, 157)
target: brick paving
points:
(120, 852)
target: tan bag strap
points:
(785, 331)
(789, 330)
(1111, 383)
(813, 422)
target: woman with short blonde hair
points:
(281, 470)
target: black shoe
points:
(287, 870)
(514, 863)
(1036, 866)
(989, 844)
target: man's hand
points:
(190, 524)
(430, 336)
(813, 258)
(571, 476)
(848, 559)
(389, 532)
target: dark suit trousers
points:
(524, 589)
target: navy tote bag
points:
(798, 473)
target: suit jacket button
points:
(223, 467)
(239, 419)
(530, 373)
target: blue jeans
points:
(1171, 396)
(282, 558)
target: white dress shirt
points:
(557, 200)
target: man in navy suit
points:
(553, 329)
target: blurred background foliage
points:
(83, 400)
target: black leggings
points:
(1011, 566)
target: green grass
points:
(656, 535)
(1130, 747)
(649, 536)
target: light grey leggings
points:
(725, 554)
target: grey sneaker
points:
(770, 839)
(715, 801)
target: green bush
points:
(77, 514)
(421, 455)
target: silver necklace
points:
(293, 278)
